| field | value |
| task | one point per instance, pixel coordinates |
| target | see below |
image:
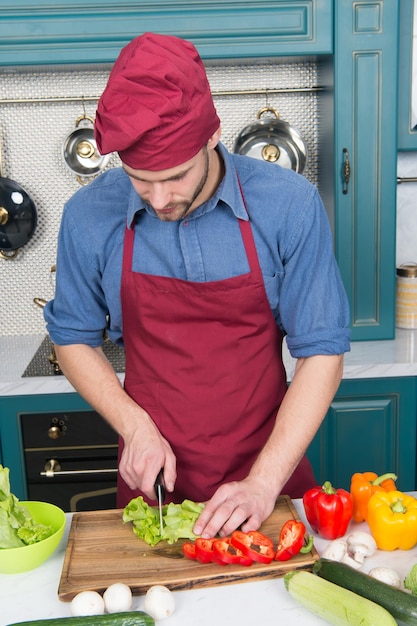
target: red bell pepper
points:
(291, 540)
(204, 550)
(328, 510)
(188, 550)
(254, 545)
(225, 553)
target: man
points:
(198, 262)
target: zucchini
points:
(126, 618)
(338, 606)
(402, 605)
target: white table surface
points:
(33, 595)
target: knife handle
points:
(160, 485)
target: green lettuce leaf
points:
(17, 527)
(178, 520)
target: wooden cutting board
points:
(103, 550)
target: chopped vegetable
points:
(178, 520)
(410, 581)
(392, 520)
(188, 550)
(204, 550)
(17, 526)
(328, 510)
(226, 553)
(363, 486)
(254, 545)
(291, 540)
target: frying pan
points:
(80, 151)
(274, 140)
(18, 216)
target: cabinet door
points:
(365, 75)
(370, 426)
(34, 32)
(407, 130)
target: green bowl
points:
(17, 560)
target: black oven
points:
(70, 459)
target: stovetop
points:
(40, 365)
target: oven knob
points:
(54, 432)
(52, 466)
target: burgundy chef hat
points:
(157, 109)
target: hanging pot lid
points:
(274, 140)
(80, 150)
(18, 217)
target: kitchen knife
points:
(160, 494)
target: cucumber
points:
(126, 618)
(334, 604)
(402, 605)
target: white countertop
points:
(367, 359)
(33, 595)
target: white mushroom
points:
(386, 575)
(337, 550)
(159, 602)
(361, 544)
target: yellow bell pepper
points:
(392, 520)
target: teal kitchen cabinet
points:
(11, 439)
(34, 32)
(370, 426)
(365, 161)
(407, 130)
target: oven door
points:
(70, 459)
(75, 480)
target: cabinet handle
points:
(51, 473)
(346, 170)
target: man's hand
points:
(246, 503)
(144, 453)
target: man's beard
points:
(186, 206)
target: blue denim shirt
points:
(292, 237)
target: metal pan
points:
(80, 151)
(274, 140)
(18, 216)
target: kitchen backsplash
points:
(39, 109)
(407, 209)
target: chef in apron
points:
(203, 359)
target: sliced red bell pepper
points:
(291, 540)
(255, 545)
(204, 550)
(328, 510)
(226, 553)
(188, 550)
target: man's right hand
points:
(145, 452)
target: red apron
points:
(205, 361)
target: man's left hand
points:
(246, 503)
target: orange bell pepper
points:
(392, 520)
(363, 486)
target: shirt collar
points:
(227, 194)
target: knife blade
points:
(160, 494)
